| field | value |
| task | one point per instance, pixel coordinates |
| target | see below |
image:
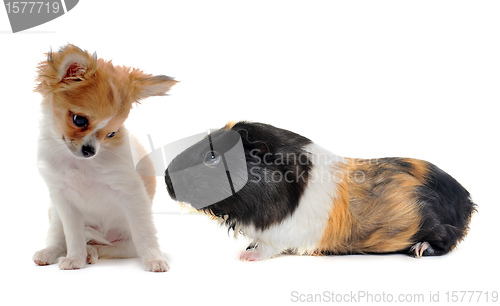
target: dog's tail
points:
(95, 237)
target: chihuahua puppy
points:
(100, 204)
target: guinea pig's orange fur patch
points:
(230, 125)
(338, 230)
(375, 209)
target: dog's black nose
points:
(88, 151)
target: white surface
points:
(362, 78)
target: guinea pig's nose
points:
(170, 186)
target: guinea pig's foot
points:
(419, 248)
(252, 255)
(260, 251)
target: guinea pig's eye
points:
(80, 121)
(212, 158)
(111, 134)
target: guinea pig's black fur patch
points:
(446, 209)
(278, 171)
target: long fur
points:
(100, 205)
(302, 198)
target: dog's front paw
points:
(157, 265)
(71, 263)
(92, 254)
(47, 256)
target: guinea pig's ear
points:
(255, 147)
(64, 68)
(259, 148)
(147, 85)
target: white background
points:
(362, 78)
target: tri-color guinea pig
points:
(300, 198)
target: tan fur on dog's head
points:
(90, 98)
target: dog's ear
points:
(76, 66)
(146, 85)
(64, 68)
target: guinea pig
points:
(294, 196)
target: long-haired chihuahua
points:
(100, 204)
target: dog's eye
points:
(111, 134)
(212, 158)
(80, 121)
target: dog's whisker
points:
(43, 139)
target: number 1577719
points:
(16, 7)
